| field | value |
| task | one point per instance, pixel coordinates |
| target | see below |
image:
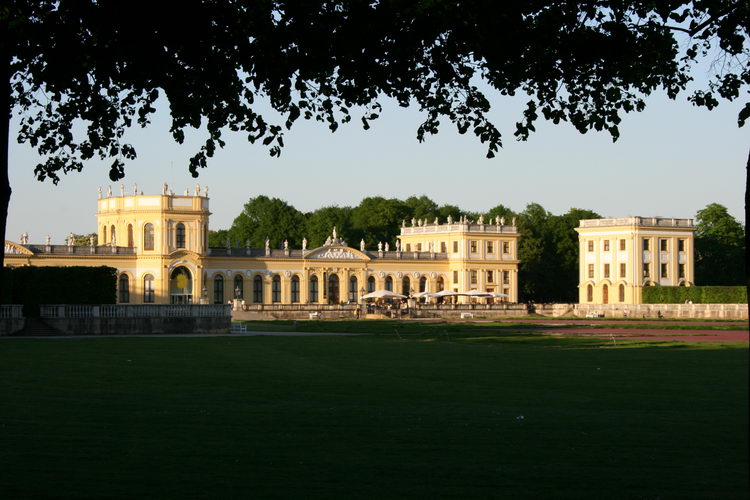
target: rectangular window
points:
(680, 245)
(473, 246)
(506, 247)
(623, 269)
(490, 247)
(455, 247)
(622, 245)
(442, 247)
(681, 270)
(473, 277)
(591, 246)
(408, 247)
(506, 278)
(419, 247)
(663, 245)
(591, 271)
(663, 270)
(455, 276)
(606, 270)
(606, 245)
(646, 270)
(646, 244)
(490, 276)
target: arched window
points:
(148, 289)
(148, 237)
(276, 289)
(124, 289)
(353, 289)
(371, 284)
(130, 235)
(112, 235)
(605, 294)
(295, 289)
(440, 284)
(258, 289)
(239, 287)
(104, 235)
(181, 286)
(589, 293)
(218, 289)
(389, 283)
(622, 293)
(423, 284)
(406, 286)
(180, 235)
(313, 289)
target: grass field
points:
(454, 412)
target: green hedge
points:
(31, 286)
(695, 294)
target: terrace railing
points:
(135, 311)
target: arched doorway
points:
(180, 286)
(605, 294)
(333, 289)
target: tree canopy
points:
(79, 73)
(719, 247)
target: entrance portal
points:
(333, 289)
(180, 286)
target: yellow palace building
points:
(159, 245)
(620, 256)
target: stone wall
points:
(122, 326)
(671, 311)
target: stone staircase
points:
(36, 327)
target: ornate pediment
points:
(12, 248)
(336, 253)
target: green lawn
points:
(443, 414)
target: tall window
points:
(680, 245)
(371, 284)
(681, 270)
(418, 247)
(239, 287)
(506, 277)
(276, 288)
(124, 289)
(591, 246)
(622, 244)
(473, 277)
(130, 235)
(408, 247)
(591, 271)
(148, 289)
(622, 293)
(490, 276)
(295, 289)
(606, 270)
(442, 247)
(258, 289)
(104, 236)
(422, 284)
(663, 245)
(589, 293)
(605, 294)
(180, 236)
(473, 246)
(490, 247)
(506, 247)
(455, 247)
(112, 235)
(623, 268)
(440, 284)
(455, 276)
(646, 244)
(646, 270)
(606, 245)
(353, 289)
(148, 237)
(389, 283)
(663, 271)
(405, 286)
(219, 289)
(313, 289)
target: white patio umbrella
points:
(383, 294)
(476, 293)
(445, 293)
(422, 294)
(498, 294)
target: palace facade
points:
(159, 245)
(620, 256)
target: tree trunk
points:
(747, 218)
(4, 132)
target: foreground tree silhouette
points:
(102, 65)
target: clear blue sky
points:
(671, 160)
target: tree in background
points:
(97, 64)
(422, 208)
(84, 240)
(719, 247)
(319, 223)
(271, 218)
(379, 219)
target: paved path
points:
(659, 335)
